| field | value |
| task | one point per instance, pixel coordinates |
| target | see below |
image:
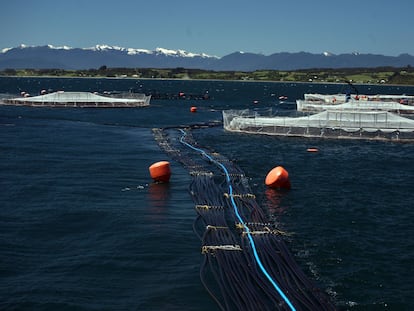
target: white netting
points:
(329, 98)
(79, 99)
(363, 124)
(306, 105)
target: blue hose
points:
(256, 256)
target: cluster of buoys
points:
(160, 171)
(42, 92)
(278, 177)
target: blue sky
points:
(215, 27)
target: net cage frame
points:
(361, 124)
(353, 105)
(81, 99)
(341, 97)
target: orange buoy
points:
(160, 171)
(312, 150)
(278, 178)
(193, 109)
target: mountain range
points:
(51, 57)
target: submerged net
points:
(246, 264)
(381, 125)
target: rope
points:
(246, 228)
(222, 197)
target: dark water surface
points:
(82, 227)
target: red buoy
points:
(312, 150)
(193, 109)
(160, 171)
(278, 178)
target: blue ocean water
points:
(82, 226)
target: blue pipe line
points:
(256, 255)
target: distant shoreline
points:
(403, 76)
(192, 79)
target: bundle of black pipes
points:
(247, 265)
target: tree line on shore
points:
(379, 75)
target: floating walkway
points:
(246, 265)
(79, 100)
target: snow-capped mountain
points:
(65, 57)
(114, 48)
(132, 51)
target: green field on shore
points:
(380, 75)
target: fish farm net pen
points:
(246, 264)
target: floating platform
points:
(79, 100)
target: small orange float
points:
(193, 109)
(278, 178)
(312, 150)
(160, 171)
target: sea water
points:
(83, 227)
